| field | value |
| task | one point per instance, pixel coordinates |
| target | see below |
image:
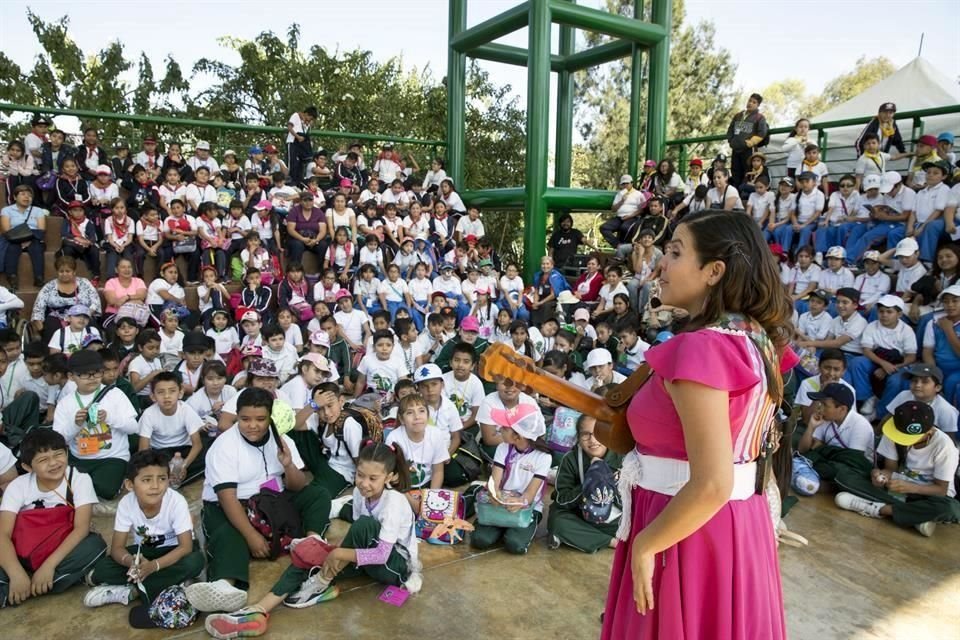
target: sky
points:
(828, 37)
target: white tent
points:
(918, 85)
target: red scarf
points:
(178, 224)
(299, 288)
(75, 227)
(120, 229)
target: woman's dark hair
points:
(936, 271)
(38, 441)
(560, 360)
(624, 297)
(665, 177)
(17, 144)
(214, 367)
(796, 125)
(255, 397)
(721, 171)
(65, 261)
(392, 459)
(750, 284)
(146, 458)
(440, 161)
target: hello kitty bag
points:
(436, 505)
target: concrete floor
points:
(859, 579)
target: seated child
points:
(55, 374)
(380, 544)
(194, 355)
(96, 420)
(241, 461)
(8, 467)
(379, 371)
(312, 369)
(145, 367)
(916, 460)
(424, 448)
(521, 464)
(69, 339)
(52, 492)
(926, 385)
(213, 393)
(163, 552)
(567, 521)
(632, 349)
(224, 336)
(171, 426)
(277, 350)
(441, 412)
(600, 365)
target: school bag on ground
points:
(469, 456)
(598, 492)
(441, 519)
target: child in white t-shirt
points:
(424, 448)
(146, 366)
(173, 427)
(74, 336)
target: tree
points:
(701, 97)
(783, 101)
(864, 75)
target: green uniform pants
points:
(20, 418)
(107, 571)
(107, 474)
(576, 532)
(310, 448)
(71, 569)
(829, 461)
(227, 553)
(916, 509)
(515, 540)
(454, 475)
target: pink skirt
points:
(721, 583)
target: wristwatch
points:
(314, 406)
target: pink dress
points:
(723, 581)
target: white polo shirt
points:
(852, 327)
(929, 200)
(162, 529)
(233, 462)
(901, 337)
(23, 493)
(854, 432)
(944, 414)
(936, 461)
(520, 469)
(872, 287)
(99, 441)
(166, 431)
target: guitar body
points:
(500, 362)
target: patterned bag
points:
(562, 434)
(137, 311)
(172, 610)
(436, 505)
(274, 517)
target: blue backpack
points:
(598, 493)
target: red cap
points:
(149, 139)
(930, 141)
(269, 148)
(76, 204)
(777, 250)
(470, 238)
(696, 162)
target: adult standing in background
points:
(747, 131)
(884, 125)
(298, 142)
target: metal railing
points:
(846, 152)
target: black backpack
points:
(598, 491)
(274, 516)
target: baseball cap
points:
(906, 247)
(203, 145)
(598, 357)
(888, 106)
(821, 294)
(839, 393)
(482, 290)
(522, 419)
(890, 180)
(103, 170)
(446, 266)
(952, 290)
(121, 144)
(194, 340)
(871, 255)
(263, 368)
(872, 181)
(910, 422)
(486, 262)
(230, 152)
(836, 252)
(320, 338)
(152, 139)
(85, 361)
(891, 301)
(343, 293)
(251, 350)
(254, 150)
(37, 120)
(470, 238)
(807, 175)
(787, 180)
(946, 136)
(79, 310)
(943, 165)
(923, 370)
(317, 360)
(306, 195)
(406, 240)
(581, 314)
(250, 316)
(76, 204)
(263, 205)
(928, 140)
(849, 292)
(721, 157)
(427, 372)
(649, 163)
(270, 148)
(696, 162)
(470, 323)
(625, 178)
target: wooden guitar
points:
(500, 362)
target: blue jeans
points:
(875, 234)
(927, 240)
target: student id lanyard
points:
(91, 443)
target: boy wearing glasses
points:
(584, 486)
(95, 420)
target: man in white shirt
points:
(627, 204)
(298, 141)
(201, 158)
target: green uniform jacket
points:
(569, 488)
(339, 355)
(446, 352)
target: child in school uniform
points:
(240, 462)
(814, 324)
(565, 521)
(312, 369)
(96, 420)
(424, 448)
(926, 385)
(521, 464)
(69, 339)
(164, 552)
(212, 395)
(915, 459)
(171, 426)
(441, 412)
(276, 349)
(51, 492)
(846, 329)
(145, 367)
(381, 544)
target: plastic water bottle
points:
(176, 470)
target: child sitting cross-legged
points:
(918, 462)
(52, 496)
(380, 544)
(577, 518)
(424, 447)
(242, 461)
(163, 552)
(173, 427)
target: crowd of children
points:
(350, 390)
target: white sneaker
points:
(869, 408)
(216, 596)
(313, 590)
(338, 503)
(107, 594)
(414, 583)
(106, 507)
(864, 507)
(926, 528)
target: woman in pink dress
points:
(698, 557)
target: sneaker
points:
(246, 623)
(864, 507)
(313, 590)
(553, 542)
(414, 583)
(926, 528)
(869, 408)
(338, 503)
(106, 508)
(309, 552)
(216, 596)
(107, 594)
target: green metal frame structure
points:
(632, 37)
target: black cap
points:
(839, 393)
(139, 617)
(807, 175)
(888, 106)
(849, 292)
(194, 341)
(910, 423)
(923, 370)
(38, 120)
(306, 195)
(943, 165)
(720, 157)
(821, 294)
(85, 361)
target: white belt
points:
(668, 476)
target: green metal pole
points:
(683, 168)
(456, 96)
(563, 153)
(598, 55)
(659, 83)
(644, 33)
(489, 30)
(825, 146)
(538, 138)
(636, 89)
(506, 54)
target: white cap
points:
(836, 252)
(952, 290)
(104, 170)
(229, 152)
(871, 255)
(320, 338)
(890, 180)
(907, 247)
(581, 314)
(598, 357)
(890, 301)
(872, 181)
(625, 178)
(251, 316)
(427, 372)
(203, 145)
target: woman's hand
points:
(642, 566)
